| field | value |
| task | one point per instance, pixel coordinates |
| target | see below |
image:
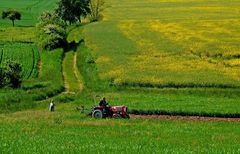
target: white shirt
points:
(51, 105)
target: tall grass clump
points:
(15, 100)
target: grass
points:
(167, 44)
(89, 71)
(15, 100)
(66, 130)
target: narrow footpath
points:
(72, 78)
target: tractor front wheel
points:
(97, 114)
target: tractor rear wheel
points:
(97, 114)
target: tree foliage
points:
(72, 10)
(51, 31)
(10, 74)
(2, 77)
(12, 15)
(96, 7)
(13, 73)
(49, 18)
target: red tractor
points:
(108, 111)
(112, 112)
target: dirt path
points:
(77, 73)
(66, 85)
(39, 68)
(65, 81)
(184, 118)
(72, 78)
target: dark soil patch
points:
(184, 118)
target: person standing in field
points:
(51, 107)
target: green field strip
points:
(87, 67)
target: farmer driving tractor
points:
(106, 111)
(104, 104)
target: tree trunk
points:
(13, 23)
(79, 19)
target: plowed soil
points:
(184, 118)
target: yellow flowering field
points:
(159, 43)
